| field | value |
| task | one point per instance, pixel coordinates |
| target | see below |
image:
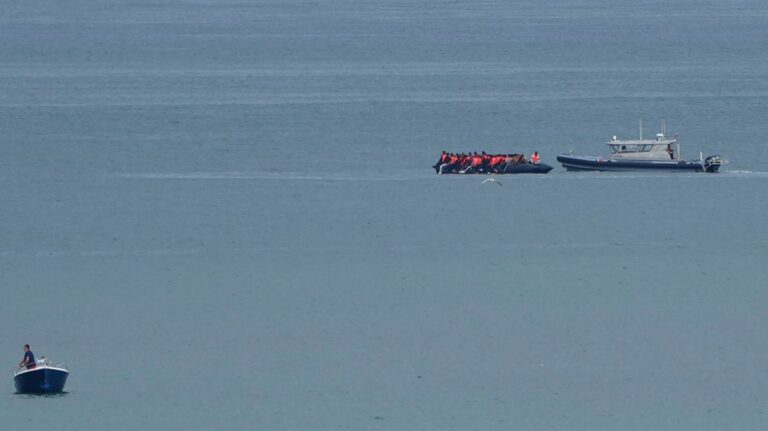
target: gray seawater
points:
(221, 215)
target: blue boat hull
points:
(577, 163)
(41, 380)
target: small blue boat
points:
(44, 378)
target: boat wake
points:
(276, 176)
(744, 173)
(603, 175)
(33, 396)
(102, 253)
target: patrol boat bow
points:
(641, 154)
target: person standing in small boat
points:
(29, 358)
(535, 158)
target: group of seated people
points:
(479, 163)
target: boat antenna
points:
(641, 129)
(663, 128)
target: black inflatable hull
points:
(41, 380)
(522, 168)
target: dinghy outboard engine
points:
(713, 163)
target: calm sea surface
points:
(221, 215)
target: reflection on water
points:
(37, 396)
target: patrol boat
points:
(44, 378)
(642, 154)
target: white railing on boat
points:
(43, 362)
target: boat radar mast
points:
(659, 136)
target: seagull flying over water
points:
(491, 180)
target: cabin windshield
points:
(631, 148)
(628, 148)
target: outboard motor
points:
(713, 163)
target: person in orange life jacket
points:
(475, 163)
(466, 159)
(500, 162)
(467, 163)
(443, 159)
(485, 161)
(450, 164)
(496, 162)
(535, 158)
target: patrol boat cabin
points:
(660, 149)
